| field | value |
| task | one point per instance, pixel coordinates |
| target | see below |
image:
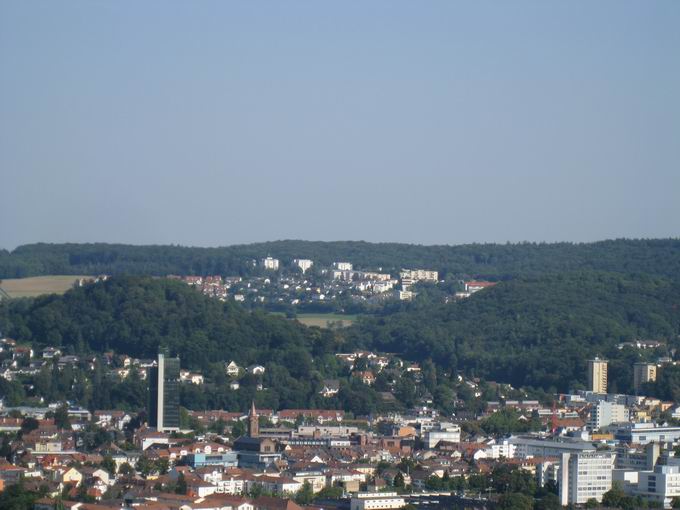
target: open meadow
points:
(37, 285)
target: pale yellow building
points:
(643, 373)
(597, 375)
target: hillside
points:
(532, 331)
(660, 257)
(136, 315)
(535, 331)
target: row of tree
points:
(499, 261)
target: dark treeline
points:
(659, 257)
(536, 332)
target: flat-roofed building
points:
(376, 501)
(584, 476)
(643, 373)
(597, 375)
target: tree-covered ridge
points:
(537, 331)
(136, 315)
(498, 261)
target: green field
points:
(324, 320)
(37, 285)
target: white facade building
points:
(376, 501)
(448, 432)
(584, 476)
(270, 263)
(342, 266)
(606, 413)
(303, 264)
(660, 485)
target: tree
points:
(126, 469)
(109, 464)
(181, 487)
(29, 424)
(399, 480)
(515, 501)
(6, 448)
(549, 501)
(16, 497)
(592, 503)
(305, 495)
(61, 419)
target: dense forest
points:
(137, 315)
(535, 331)
(660, 257)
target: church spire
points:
(253, 423)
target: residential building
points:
(232, 369)
(526, 447)
(643, 373)
(448, 432)
(475, 286)
(342, 266)
(605, 413)
(376, 501)
(597, 375)
(644, 433)
(270, 263)
(584, 476)
(660, 485)
(303, 264)
(164, 386)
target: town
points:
(580, 450)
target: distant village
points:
(302, 283)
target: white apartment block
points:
(342, 266)
(528, 447)
(448, 432)
(660, 485)
(270, 263)
(645, 433)
(597, 375)
(606, 413)
(419, 275)
(584, 476)
(376, 501)
(303, 264)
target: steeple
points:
(253, 424)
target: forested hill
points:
(530, 331)
(136, 315)
(536, 331)
(659, 257)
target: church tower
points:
(253, 424)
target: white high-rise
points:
(606, 413)
(584, 476)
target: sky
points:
(221, 122)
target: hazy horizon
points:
(223, 123)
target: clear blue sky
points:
(218, 122)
